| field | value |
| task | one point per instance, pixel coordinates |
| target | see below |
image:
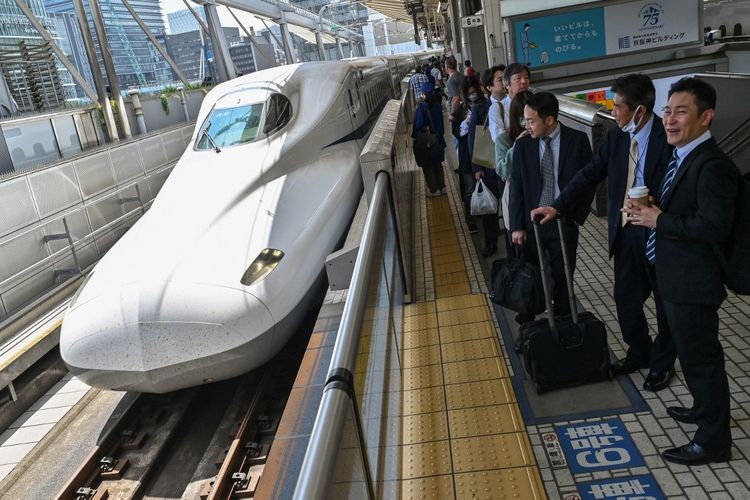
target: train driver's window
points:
(278, 113)
(226, 127)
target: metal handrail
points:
(320, 458)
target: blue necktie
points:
(665, 187)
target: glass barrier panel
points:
(86, 130)
(31, 143)
(349, 476)
(67, 135)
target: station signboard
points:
(596, 446)
(471, 21)
(571, 35)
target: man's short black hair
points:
(703, 93)
(514, 69)
(493, 70)
(487, 77)
(545, 104)
(636, 89)
(467, 63)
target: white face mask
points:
(631, 126)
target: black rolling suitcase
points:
(564, 350)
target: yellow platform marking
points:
(463, 302)
(470, 349)
(426, 400)
(484, 420)
(482, 393)
(425, 427)
(419, 322)
(421, 356)
(460, 333)
(450, 277)
(423, 376)
(522, 483)
(496, 451)
(421, 338)
(426, 459)
(463, 316)
(436, 487)
(418, 309)
(474, 370)
(452, 290)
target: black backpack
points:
(735, 257)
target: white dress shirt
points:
(497, 124)
(684, 151)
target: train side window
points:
(278, 113)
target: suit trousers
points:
(695, 329)
(490, 222)
(553, 251)
(434, 177)
(635, 280)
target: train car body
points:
(212, 281)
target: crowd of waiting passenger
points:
(663, 244)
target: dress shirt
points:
(641, 138)
(555, 145)
(506, 104)
(497, 125)
(683, 151)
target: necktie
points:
(665, 187)
(632, 165)
(548, 175)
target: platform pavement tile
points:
(696, 493)
(482, 393)
(474, 370)
(15, 453)
(420, 356)
(422, 376)
(470, 331)
(49, 416)
(685, 479)
(461, 302)
(450, 277)
(426, 459)
(420, 338)
(496, 451)
(424, 427)
(59, 400)
(5, 470)
(485, 420)
(739, 491)
(427, 400)
(419, 309)
(436, 487)
(521, 483)
(419, 322)
(470, 349)
(462, 316)
(25, 434)
(452, 290)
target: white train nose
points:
(150, 337)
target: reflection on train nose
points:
(167, 332)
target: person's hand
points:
(478, 175)
(548, 213)
(641, 215)
(519, 237)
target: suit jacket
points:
(697, 215)
(526, 178)
(611, 162)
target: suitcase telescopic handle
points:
(568, 273)
(545, 277)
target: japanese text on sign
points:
(599, 446)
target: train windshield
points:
(230, 126)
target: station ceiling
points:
(397, 9)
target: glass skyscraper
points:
(137, 62)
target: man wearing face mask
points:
(635, 154)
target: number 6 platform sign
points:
(471, 21)
(595, 446)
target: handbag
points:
(427, 148)
(517, 284)
(483, 202)
(484, 147)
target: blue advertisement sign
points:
(560, 38)
(622, 488)
(595, 446)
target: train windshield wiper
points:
(210, 139)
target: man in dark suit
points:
(544, 162)
(635, 153)
(691, 218)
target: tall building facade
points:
(137, 62)
(183, 21)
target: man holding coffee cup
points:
(633, 159)
(696, 208)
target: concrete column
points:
(321, 46)
(493, 33)
(135, 100)
(223, 64)
(96, 72)
(183, 102)
(351, 46)
(464, 35)
(286, 38)
(109, 66)
(339, 48)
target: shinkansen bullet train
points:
(212, 281)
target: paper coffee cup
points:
(639, 194)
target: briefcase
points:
(517, 284)
(566, 350)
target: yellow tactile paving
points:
(496, 451)
(459, 333)
(482, 393)
(436, 487)
(419, 322)
(470, 349)
(474, 370)
(463, 302)
(426, 400)
(426, 459)
(521, 483)
(419, 309)
(452, 290)
(425, 427)
(420, 338)
(485, 420)
(463, 316)
(423, 376)
(421, 356)
(450, 275)
(441, 261)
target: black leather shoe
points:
(489, 250)
(627, 365)
(656, 381)
(682, 414)
(472, 228)
(695, 454)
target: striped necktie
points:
(665, 187)
(548, 175)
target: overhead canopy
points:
(398, 10)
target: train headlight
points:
(263, 264)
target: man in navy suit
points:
(690, 220)
(635, 153)
(544, 162)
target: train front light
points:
(264, 263)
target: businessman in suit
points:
(635, 153)
(544, 162)
(689, 220)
